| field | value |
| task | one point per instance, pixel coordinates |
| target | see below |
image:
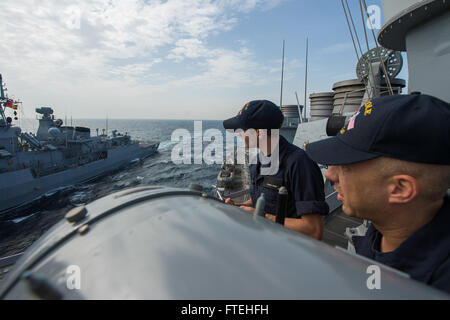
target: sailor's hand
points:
(229, 201)
(249, 209)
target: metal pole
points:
(306, 74)
(386, 75)
(281, 206)
(374, 82)
(2, 100)
(299, 108)
(282, 78)
(2, 93)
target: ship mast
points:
(2, 96)
(3, 99)
(282, 79)
(306, 77)
(5, 102)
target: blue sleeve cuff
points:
(311, 207)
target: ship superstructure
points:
(56, 155)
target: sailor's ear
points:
(403, 188)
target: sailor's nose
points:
(331, 174)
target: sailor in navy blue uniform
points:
(296, 172)
(390, 165)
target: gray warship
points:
(33, 165)
(164, 243)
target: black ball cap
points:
(414, 127)
(258, 114)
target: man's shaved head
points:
(373, 188)
(434, 180)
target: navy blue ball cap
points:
(258, 114)
(414, 127)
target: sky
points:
(173, 59)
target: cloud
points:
(132, 70)
(109, 29)
(249, 5)
(224, 69)
(274, 66)
(64, 47)
(188, 48)
(338, 48)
